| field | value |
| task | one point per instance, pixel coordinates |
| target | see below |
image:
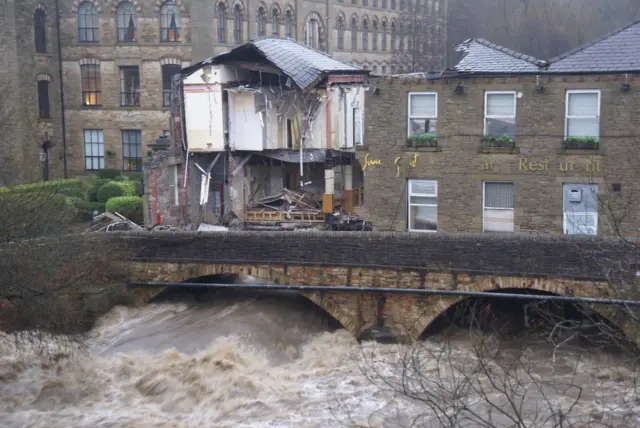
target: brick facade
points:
(538, 165)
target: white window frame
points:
(565, 213)
(492, 116)
(409, 204)
(409, 116)
(174, 185)
(484, 207)
(92, 156)
(566, 109)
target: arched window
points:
(393, 36)
(126, 14)
(40, 32)
(384, 4)
(87, 22)
(374, 37)
(402, 4)
(222, 24)
(365, 35)
(260, 21)
(393, 4)
(354, 34)
(237, 24)
(43, 99)
(275, 28)
(340, 33)
(170, 22)
(384, 36)
(401, 39)
(288, 19)
(313, 35)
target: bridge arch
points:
(441, 305)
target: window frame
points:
(138, 144)
(237, 24)
(409, 116)
(166, 92)
(484, 207)
(84, 84)
(221, 17)
(174, 185)
(92, 156)
(44, 99)
(409, 204)
(40, 31)
(260, 18)
(515, 109)
(170, 8)
(566, 109)
(564, 213)
(136, 93)
(88, 10)
(121, 12)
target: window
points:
(498, 206)
(312, 33)
(383, 42)
(393, 36)
(374, 37)
(129, 86)
(288, 17)
(423, 206)
(88, 22)
(275, 28)
(43, 99)
(500, 114)
(354, 34)
(237, 24)
(340, 33)
(393, 4)
(423, 112)
(583, 114)
(173, 185)
(91, 92)
(126, 19)
(401, 38)
(580, 209)
(384, 4)
(260, 21)
(40, 30)
(375, 3)
(365, 35)
(222, 28)
(168, 71)
(170, 22)
(93, 149)
(132, 150)
(384, 69)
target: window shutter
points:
(581, 104)
(500, 104)
(423, 105)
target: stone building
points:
(109, 63)
(509, 143)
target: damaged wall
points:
(165, 202)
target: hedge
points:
(53, 186)
(108, 173)
(86, 209)
(108, 191)
(128, 206)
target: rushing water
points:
(263, 361)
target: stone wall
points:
(160, 205)
(468, 253)
(460, 165)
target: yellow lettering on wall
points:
(397, 166)
(523, 164)
(370, 162)
(487, 165)
(415, 160)
(593, 166)
(566, 166)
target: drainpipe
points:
(329, 182)
(62, 113)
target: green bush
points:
(128, 206)
(108, 173)
(86, 209)
(108, 191)
(53, 186)
(95, 185)
(73, 192)
(34, 214)
(128, 187)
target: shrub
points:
(108, 191)
(86, 209)
(108, 173)
(34, 214)
(73, 192)
(92, 192)
(128, 187)
(128, 206)
(49, 186)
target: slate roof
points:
(306, 66)
(618, 51)
(482, 56)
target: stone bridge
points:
(565, 266)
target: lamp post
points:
(44, 164)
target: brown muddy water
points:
(277, 361)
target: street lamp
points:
(43, 161)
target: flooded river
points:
(277, 361)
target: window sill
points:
(504, 150)
(91, 106)
(88, 42)
(43, 54)
(581, 151)
(422, 149)
(130, 107)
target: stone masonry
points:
(562, 266)
(538, 165)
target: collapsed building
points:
(263, 136)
